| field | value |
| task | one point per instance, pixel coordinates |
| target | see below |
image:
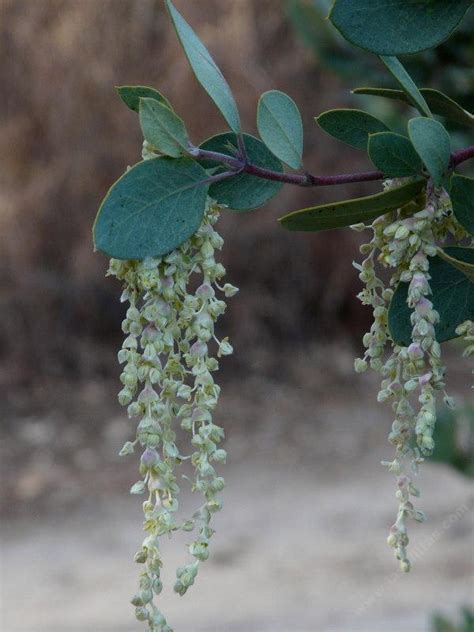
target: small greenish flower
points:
(169, 355)
(412, 376)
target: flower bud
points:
(128, 448)
(392, 540)
(141, 557)
(198, 349)
(230, 290)
(138, 488)
(142, 613)
(360, 365)
(125, 397)
(149, 458)
(205, 291)
(405, 566)
(225, 348)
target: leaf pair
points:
(279, 121)
(161, 126)
(393, 154)
(159, 204)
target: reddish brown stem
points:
(307, 179)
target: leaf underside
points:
(280, 127)
(205, 69)
(433, 144)
(348, 212)
(407, 84)
(438, 102)
(162, 128)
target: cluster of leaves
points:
(158, 204)
(449, 66)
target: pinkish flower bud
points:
(423, 380)
(415, 352)
(198, 349)
(205, 291)
(149, 458)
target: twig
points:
(241, 165)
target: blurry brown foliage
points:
(66, 137)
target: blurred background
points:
(300, 544)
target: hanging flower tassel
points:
(405, 245)
(169, 356)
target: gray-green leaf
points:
(462, 197)
(397, 27)
(394, 155)
(152, 209)
(162, 128)
(452, 297)
(131, 96)
(432, 143)
(438, 102)
(242, 192)
(407, 84)
(204, 67)
(280, 127)
(350, 126)
(348, 212)
(465, 267)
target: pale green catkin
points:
(170, 354)
(413, 376)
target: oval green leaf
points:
(463, 266)
(432, 143)
(462, 197)
(348, 212)
(397, 27)
(162, 128)
(407, 84)
(152, 209)
(280, 127)
(242, 192)
(452, 297)
(205, 69)
(350, 126)
(131, 96)
(438, 102)
(394, 155)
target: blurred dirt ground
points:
(300, 544)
